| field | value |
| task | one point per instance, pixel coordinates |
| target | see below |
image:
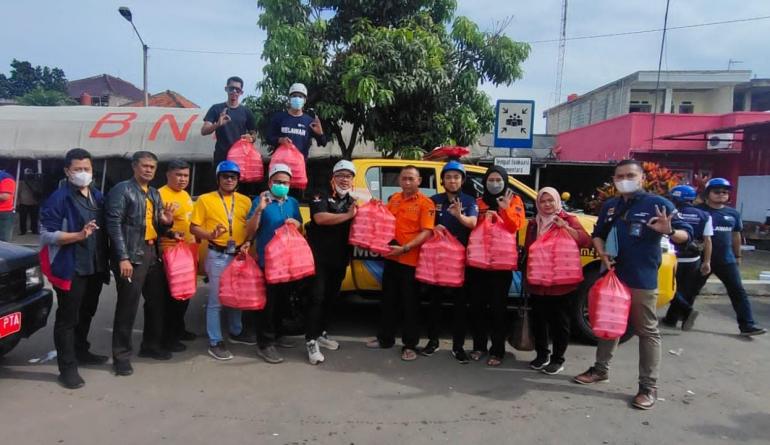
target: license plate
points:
(10, 324)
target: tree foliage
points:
(24, 79)
(400, 73)
(45, 98)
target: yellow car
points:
(380, 178)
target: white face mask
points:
(341, 191)
(81, 179)
(628, 186)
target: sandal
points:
(476, 355)
(408, 355)
(494, 361)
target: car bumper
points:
(34, 309)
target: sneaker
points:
(325, 342)
(314, 355)
(244, 339)
(645, 398)
(285, 343)
(70, 379)
(553, 368)
(176, 346)
(269, 354)
(477, 355)
(122, 367)
(592, 376)
(430, 348)
(87, 358)
(668, 323)
(219, 351)
(689, 321)
(754, 330)
(460, 356)
(155, 354)
(540, 362)
(408, 354)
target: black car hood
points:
(13, 257)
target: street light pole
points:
(126, 13)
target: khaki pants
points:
(645, 324)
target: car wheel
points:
(581, 327)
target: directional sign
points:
(515, 166)
(514, 121)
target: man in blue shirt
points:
(637, 220)
(693, 258)
(727, 252)
(269, 211)
(456, 213)
(294, 125)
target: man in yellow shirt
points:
(220, 218)
(178, 178)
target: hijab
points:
(544, 222)
(488, 198)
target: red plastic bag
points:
(242, 284)
(492, 247)
(554, 259)
(181, 270)
(288, 256)
(373, 227)
(441, 261)
(248, 159)
(609, 303)
(290, 155)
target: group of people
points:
(86, 236)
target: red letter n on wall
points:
(118, 123)
(179, 135)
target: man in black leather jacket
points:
(135, 218)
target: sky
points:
(89, 37)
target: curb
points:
(754, 288)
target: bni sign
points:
(515, 166)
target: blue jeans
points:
(216, 262)
(730, 276)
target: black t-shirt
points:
(91, 253)
(330, 243)
(296, 128)
(241, 122)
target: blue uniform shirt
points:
(296, 128)
(700, 221)
(274, 216)
(639, 252)
(446, 219)
(725, 221)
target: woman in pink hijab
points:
(551, 304)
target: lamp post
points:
(126, 13)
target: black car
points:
(24, 303)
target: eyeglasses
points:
(227, 177)
(233, 90)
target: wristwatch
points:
(673, 231)
(406, 248)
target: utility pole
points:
(562, 49)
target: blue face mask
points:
(279, 190)
(297, 103)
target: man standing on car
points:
(637, 220)
(135, 218)
(331, 212)
(294, 125)
(74, 257)
(456, 213)
(230, 121)
(726, 257)
(415, 219)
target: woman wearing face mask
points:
(294, 125)
(489, 288)
(74, 258)
(551, 304)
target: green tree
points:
(24, 78)
(45, 98)
(400, 73)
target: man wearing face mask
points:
(295, 125)
(74, 259)
(269, 211)
(230, 121)
(628, 232)
(331, 212)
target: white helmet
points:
(298, 88)
(279, 168)
(344, 165)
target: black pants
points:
(75, 311)
(550, 320)
(488, 292)
(399, 291)
(458, 297)
(148, 280)
(730, 276)
(323, 294)
(269, 319)
(688, 285)
(173, 313)
(26, 211)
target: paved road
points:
(361, 396)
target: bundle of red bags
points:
(554, 259)
(609, 303)
(242, 284)
(288, 256)
(441, 261)
(248, 159)
(290, 155)
(181, 270)
(492, 247)
(373, 227)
